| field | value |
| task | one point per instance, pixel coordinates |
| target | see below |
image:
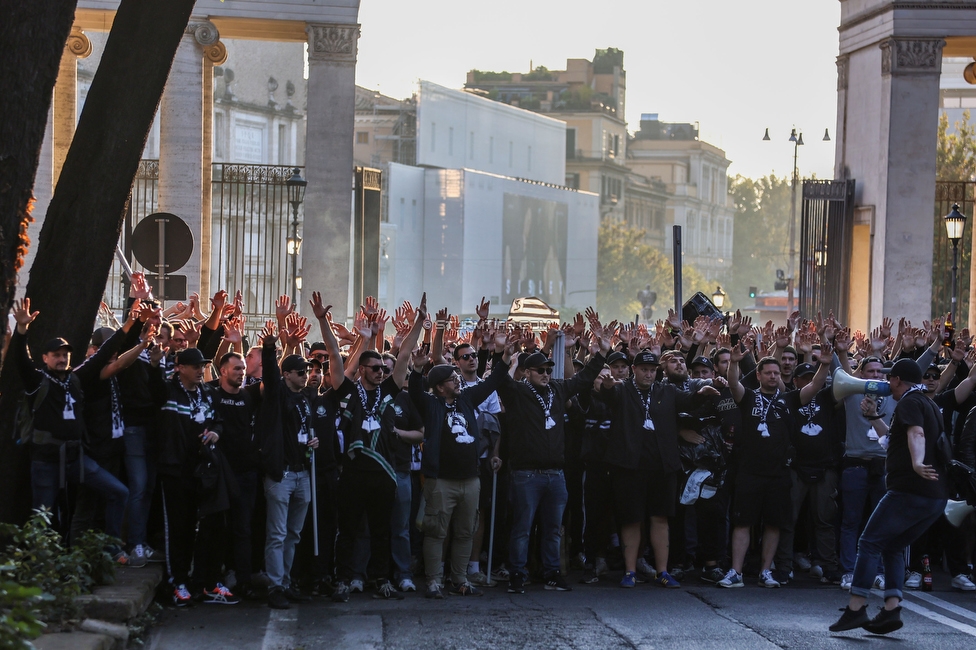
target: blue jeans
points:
(287, 504)
(140, 472)
(857, 490)
(400, 528)
(45, 483)
(545, 491)
(898, 520)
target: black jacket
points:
(530, 444)
(179, 449)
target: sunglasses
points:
(468, 356)
(380, 368)
(300, 373)
(929, 375)
(547, 370)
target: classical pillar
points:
(902, 248)
(331, 103)
(185, 148)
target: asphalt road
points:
(591, 616)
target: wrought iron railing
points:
(946, 194)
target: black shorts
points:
(642, 493)
(763, 499)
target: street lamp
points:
(955, 223)
(718, 298)
(296, 195)
(797, 139)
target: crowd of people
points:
(408, 450)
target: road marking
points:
(939, 618)
(280, 633)
(949, 607)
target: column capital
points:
(843, 63)
(78, 43)
(335, 43)
(911, 56)
(205, 33)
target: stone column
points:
(331, 103)
(902, 248)
(185, 150)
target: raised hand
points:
(578, 325)
(419, 359)
(234, 331)
(483, 308)
(23, 315)
(218, 301)
(791, 322)
(238, 303)
(269, 333)
(885, 329)
(139, 287)
(282, 308)
(360, 325)
(370, 306)
(192, 333)
(318, 309)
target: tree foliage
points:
(760, 240)
(955, 157)
(626, 264)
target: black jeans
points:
(241, 516)
(370, 493)
(307, 566)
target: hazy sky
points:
(734, 67)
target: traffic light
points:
(752, 292)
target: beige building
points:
(695, 175)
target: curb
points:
(107, 610)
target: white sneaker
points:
(356, 585)
(879, 582)
(480, 579)
(731, 580)
(846, 580)
(407, 585)
(801, 562)
(766, 579)
(646, 569)
(914, 580)
(600, 567)
(963, 583)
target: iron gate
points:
(826, 228)
(250, 217)
(947, 193)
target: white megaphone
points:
(845, 385)
(956, 511)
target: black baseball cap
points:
(702, 361)
(318, 346)
(646, 357)
(101, 335)
(57, 344)
(439, 374)
(906, 370)
(617, 356)
(190, 357)
(294, 362)
(804, 369)
(537, 360)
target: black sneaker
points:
(850, 620)
(556, 582)
(831, 577)
(712, 574)
(277, 599)
(295, 595)
(886, 621)
(247, 590)
(386, 591)
(782, 577)
(341, 593)
(466, 589)
(516, 583)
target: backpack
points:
(27, 406)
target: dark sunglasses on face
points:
(380, 368)
(544, 370)
(929, 375)
(300, 373)
(468, 356)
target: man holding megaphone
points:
(915, 498)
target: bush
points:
(46, 577)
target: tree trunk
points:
(83, 221)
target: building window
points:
(362, 137)
(219, 137)
(616, 146)
(433, 135)
(573, 181)
(282, 144)
(570, 144)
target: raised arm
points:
(328, 336)
(738, 390)
(410, 342)
(808, 392)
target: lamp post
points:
(296, 195)
(718, 298)
(955, 223)
(797, 140)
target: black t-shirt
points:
(763, 450)
(914, 409)
(405, 417)
(238, 442)
(814, 434)
(459, 449)
(324, 414)
(366, 429)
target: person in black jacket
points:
(450, 465)
(57, 454)
(536, 412)
(642, 451)
(189, 428)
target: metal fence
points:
(947, 193)
(250, 226)
(825, 246)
